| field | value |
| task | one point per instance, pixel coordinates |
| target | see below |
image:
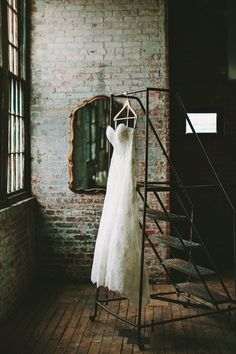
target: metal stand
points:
(199, 294)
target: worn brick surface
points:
(81, 49)
(17, 252)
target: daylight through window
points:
(202, 123)
(14, 87)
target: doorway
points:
(199, 73)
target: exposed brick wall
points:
(17, 248)
(81, 49)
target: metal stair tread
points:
(187, 267)
(166, 187)
(155, 187)
(200, 291)
(175, 242)
(160, 215)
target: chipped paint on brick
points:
(81, 49)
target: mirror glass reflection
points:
(89, 147)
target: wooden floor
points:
(55, 319)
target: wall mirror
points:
(89, 147)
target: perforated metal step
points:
(155, 187)
(200, 291)
(174, 242)
(160, 215)
(187, 267)
(166, 187)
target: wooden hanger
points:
(129, 109)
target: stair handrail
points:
(131, 94)
(184, 111)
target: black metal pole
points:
(93, 317)
(110, 122)
(144, 221)
(234, 252)
(111, 107)
(158, 89)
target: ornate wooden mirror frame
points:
(89, 148)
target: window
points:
(14, 141)
(203, 123)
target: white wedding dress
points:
(116, 263)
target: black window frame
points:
(5, 75)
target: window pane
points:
(21, 101)
(10, 177)
(202, 122)
(13, 172)
(17, 98)
(10, 58)
(15, 180)
(9, 134)
(21, 136)
(17, 185)
(13, 58)
(12, 100)
(15, 4)
(10, 25)
(12, 97)
(17, 135)
(13, 135)
(15, 30)
(22, 171)
(9, 174)
(15, 69)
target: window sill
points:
(7, 211)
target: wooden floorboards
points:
(55, 319)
